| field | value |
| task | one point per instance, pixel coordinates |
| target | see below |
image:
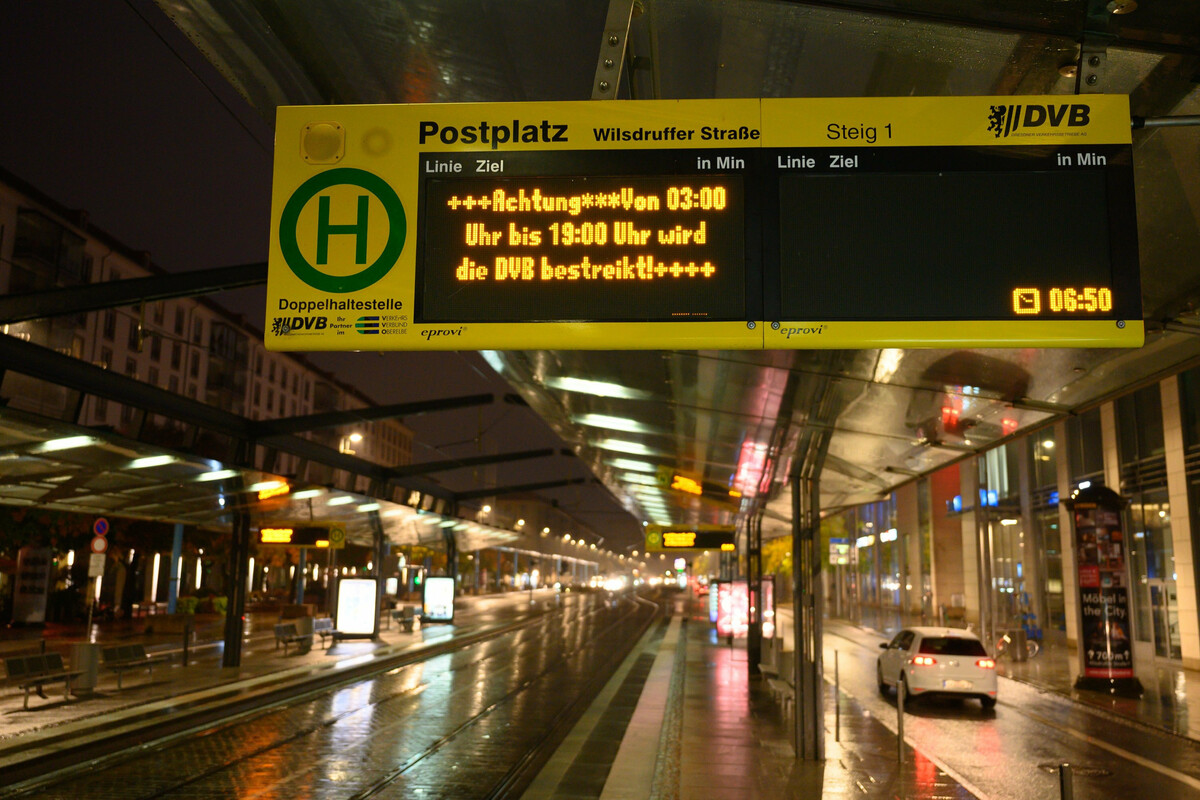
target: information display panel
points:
(640, 248)
(734, 224)
(899, 222)
(660, 538)
(528, 225)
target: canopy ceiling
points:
(732, 418)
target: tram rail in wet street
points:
(474, 716)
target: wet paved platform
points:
(681, 718)
(702, 730)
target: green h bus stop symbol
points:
(371, 273)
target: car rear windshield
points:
(952, 646)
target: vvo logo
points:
(1006, 120)
(282, 326)
(342, 230)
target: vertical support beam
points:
(807, 599)
(239, 578)
(380, 544)
(301, 566)
(451, 554)
(613, 42)
(176, 556)
(754, 579)
(1181, 524)
(1066, 538)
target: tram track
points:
(160, 741)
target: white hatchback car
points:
(941, 661)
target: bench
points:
(780, 684)
(323, 627)
(406, 617)
(129, 656)
(33, 672)
(286, 633)
(21, 647)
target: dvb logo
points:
(1006, 120)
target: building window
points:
(283, 377)
(127, 412)
(101, 408)
(173, 384)
(176, 355)
(156, 348)
(257, 394)
(110, 324)
(1140, 424)
(135, 337)
(131, 367)
(295, 381)
(258, 364)
(159, 312)
(270, 400)
(198, 331)
(1086, 446)
(194, 367)
(106, 358)
(192, 391)
(152, 376)
(179, 322)
(271, 372)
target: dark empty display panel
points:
(946, 245)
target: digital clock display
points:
(584, 248)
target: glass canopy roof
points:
(731, 418)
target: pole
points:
(1066, 788)
(176, 555)
(235, 607)
(301, 565)
(901, 690)
(837, 701)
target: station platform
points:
(681, 717)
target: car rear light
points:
(986, 663)
(923, 661)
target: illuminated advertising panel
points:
(733, 224)
(357, 601)
(437, 600)
(733, 609)
(768, 606)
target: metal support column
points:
(754, 579)
(301, 567)
(451, 554)
(239, 578)
(380, 548)
(807, 594)
(176, 559)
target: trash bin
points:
(1016, 647)
(304, 627)
(85, 658)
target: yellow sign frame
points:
(318, 299)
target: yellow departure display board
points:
(661, 538)
(734, 224)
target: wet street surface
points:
(470, 723)
(1013, 751)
